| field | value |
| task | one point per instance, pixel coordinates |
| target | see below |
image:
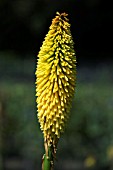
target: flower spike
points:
(55, 79)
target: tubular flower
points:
(55, 79)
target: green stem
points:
(48, 160)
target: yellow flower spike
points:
(55, 80)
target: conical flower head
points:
(55, 79)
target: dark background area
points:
(23, 25)
(87, 143)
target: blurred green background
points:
(87, 143)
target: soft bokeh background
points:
(87, 143)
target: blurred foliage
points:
(88, 136)
(90, 161)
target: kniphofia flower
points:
(55, 79)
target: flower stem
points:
(47, 163)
